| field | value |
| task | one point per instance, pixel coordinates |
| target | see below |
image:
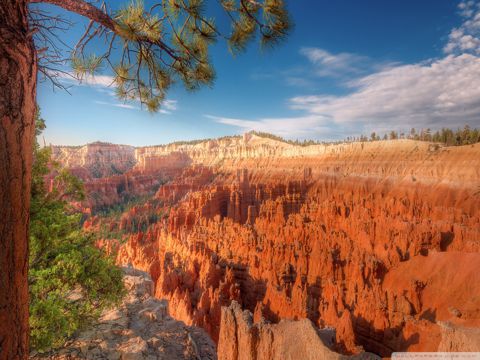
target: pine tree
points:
(413, 133)
(428, 135)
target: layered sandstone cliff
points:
(97, 159)
(377, 240)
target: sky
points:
(349, 67)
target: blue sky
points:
(349, 67)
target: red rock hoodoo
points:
(379, 240)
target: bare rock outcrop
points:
(241, 339)
(459, 337)
(140, 329)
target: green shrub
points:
(70, 280)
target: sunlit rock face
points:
(96, 160)
(242, 339)
(378, 240)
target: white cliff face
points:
(99, 159)
(102, 159)
(372, 158)
(213, 152)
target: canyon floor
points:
(359, 247)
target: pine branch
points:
(93, 13)
(83, 8)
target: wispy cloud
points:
(438, 93)
(444, 92)
(299, 81)
(98, 80)
(466, 37)
(168, 106)
(103, 81)
(342, 67)
(104, 84)
(120, 105)
(327, 64)
(289, 127)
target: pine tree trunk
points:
(18, 78)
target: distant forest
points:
(449, 137)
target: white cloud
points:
(342, 66)
(120, 105)
(171, 105)
(466, 38)
(289, 127)
(168, 106)
(98, 80)
(102, 81)
(103, 84)
(442, 93)
(466, 8)
(334, 65)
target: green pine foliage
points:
(70, 280)
(152, 47)
(83, 67)
(465, 136)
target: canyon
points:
(373, 245)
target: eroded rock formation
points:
(376, 239)
(97, 159)
(242, 339)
